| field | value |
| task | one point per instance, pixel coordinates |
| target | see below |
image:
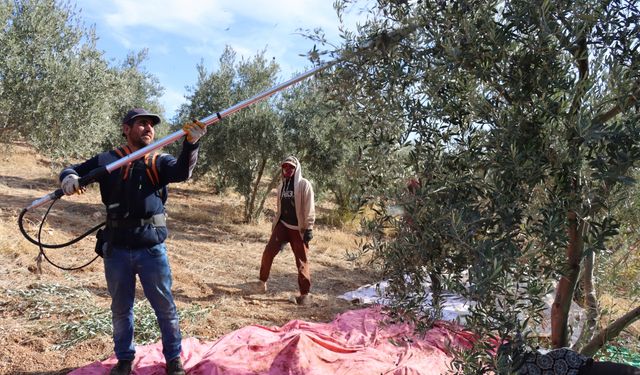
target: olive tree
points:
(54, 80)
(243, 150)
(321, 131)
(522, 119)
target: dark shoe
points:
(123, 367)
(304, 299)
(174, 367)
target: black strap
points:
(158, 220)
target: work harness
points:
(151, 169)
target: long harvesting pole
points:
(382, 40)
(209, 120)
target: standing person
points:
(293, 223)
(133, 240)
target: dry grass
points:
(214, 257)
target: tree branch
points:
(581, 54)
(632, 99)
(610, 332)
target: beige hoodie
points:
(303, 198)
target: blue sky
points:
(179, 34)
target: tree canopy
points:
(522, 119)
(54, 80)
(244, 148)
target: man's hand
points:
(195, 130)
(308, 236)
(71, 185)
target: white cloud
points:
(205, 26)
(180, 34)
(209, 20)
(186, 17)
(295, 13)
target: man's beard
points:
(140, 142)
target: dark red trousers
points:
(279, 237)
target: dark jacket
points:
(136, 197)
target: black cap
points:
(140, 112)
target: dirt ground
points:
(214, 258)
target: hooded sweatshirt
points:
(303, 198)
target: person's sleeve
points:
(81, 169)
(311, 214)
(180, 169)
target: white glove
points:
(71, 185)
(195, 130)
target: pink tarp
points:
(354, 343)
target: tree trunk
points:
(567, 284)
(250, 215)
(339, 197)
(591, 303)
(272, 184)
(436, 291)
(610, 332)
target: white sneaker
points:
(260, 287)
(304, 299)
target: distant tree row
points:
(60, 94)
(244, 151)
(57, 90)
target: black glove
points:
(308, 236)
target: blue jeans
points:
(152, 266)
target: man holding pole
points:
(133, 240)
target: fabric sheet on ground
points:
(456, 307)
(356, 342)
